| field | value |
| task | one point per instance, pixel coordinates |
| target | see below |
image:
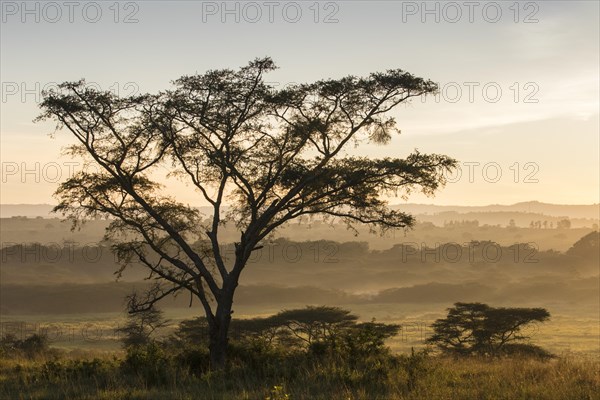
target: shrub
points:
(31, 347)
(194, 360)
(70, 370)
(149, 363)
(526, 350)
(416, 367)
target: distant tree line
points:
(560, 224)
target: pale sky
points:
(520, 88)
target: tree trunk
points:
(218, 349)
(219, 335)
(219, 329)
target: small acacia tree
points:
(270, 155)
(315, 324)
(141, 326)
(476, 328)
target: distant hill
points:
(533, 207)
(591, 211)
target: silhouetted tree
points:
(478, 328)
(141, 326)
(271, 155)
(367, 338)
(563, 224)
(315, 324)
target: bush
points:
(356, 342)
(150, 364)
(416, 367)
(263, 362)
(526, 350)
(97, 369)
(31, 347)
(367, 338)
(194, 360)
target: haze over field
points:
(49, 271)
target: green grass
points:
(405, 377)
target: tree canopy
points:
(476, 328)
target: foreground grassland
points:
(403, 377)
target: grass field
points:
(430, 378)
(90, 364)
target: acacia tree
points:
(313, 324)
(471, 328)
(259, 156)
(141, 326)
